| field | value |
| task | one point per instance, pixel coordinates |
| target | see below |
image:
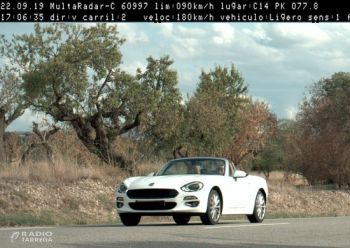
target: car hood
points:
(173, 181)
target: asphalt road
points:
(311, 232)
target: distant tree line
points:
(73, 74)
(317, 143)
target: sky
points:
(278, 61)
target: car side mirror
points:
(239, 174)
(151, 174)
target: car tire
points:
(259, 209)
(212, 216)
(182, 219)
(130, 219)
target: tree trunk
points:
(3, 127)
(44, 137)
(26, 154)
(32, 147)
(96, 141)
(178, 154)
(107, 153)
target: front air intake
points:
(152, 193)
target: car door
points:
(236, 195)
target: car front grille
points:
(152, 193)
(155, 205)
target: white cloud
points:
(302, 35)
(258, 32)
(180, 32)
(185, 42)
(253, 51)
(192, 32)
(185, 48)
(166, 29)
(132, 33)
(291, 112)
(331, 54)
(225, 33)
(131, 68)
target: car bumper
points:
(194, 203)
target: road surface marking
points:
(29, 227)
(251, 225)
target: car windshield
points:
(194, 166)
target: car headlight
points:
(122, 188)
(192, 187)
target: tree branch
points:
(37, 131)
(17, 113)
(136, 123)
(103, 85)
(52, 132)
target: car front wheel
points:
(259, 209)
(130, 219)
(212, 216)
(181, 219)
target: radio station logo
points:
(31, 237)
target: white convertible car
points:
(200, 186)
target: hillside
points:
(91, 201)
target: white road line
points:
(251, 225)
(19, 228)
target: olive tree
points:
(73, 74)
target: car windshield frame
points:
(193, 166)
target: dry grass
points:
(279, 180)
(44, 172)
(73, 192)
(71, 160)
(148, 167)
(64, 170)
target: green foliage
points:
(223, 82)
(73, 74)
(270, 158)
(226, 88)
(336, 92)
(69, 66)
(320, 142)
(210, 122)
(162, 127)
(206, 125)
(159, 90)
(276, 152)
(12, 102)
(210, 115)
